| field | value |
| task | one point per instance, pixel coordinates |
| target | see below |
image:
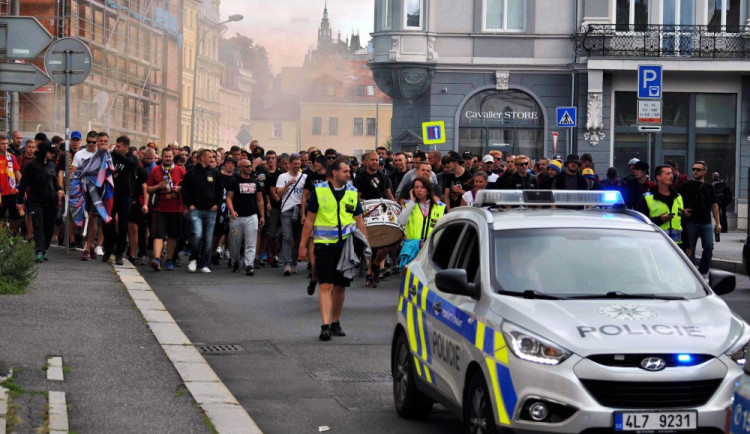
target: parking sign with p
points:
(649, 81)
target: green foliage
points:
(255, 59)
(17, 269)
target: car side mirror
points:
(455, 281)
(721, 282)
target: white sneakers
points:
(99, 251)
(205, 270)
(192, 266)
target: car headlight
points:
(738, 350)
(532, 348)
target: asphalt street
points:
(286, 379)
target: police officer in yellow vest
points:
(663, 205)
(419, 217)
(333, 212)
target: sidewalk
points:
(728, 252)
(117, 378)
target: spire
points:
(324, 32)
(325, 10)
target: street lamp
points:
(198, 40)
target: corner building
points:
(496, 70)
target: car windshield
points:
(591, 263)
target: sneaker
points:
(205, 270)
(325, 333)
(85, 256)
(192, 266)
(118, 260)
(99, 251)
(219, 250)
(39, 258)
(311, 287)
(227, 254)
(370, 282)
(235, 266)
(249, 271)
(133, 260)
(156, 264)
(287, 270)
(336, 329)
(169, 266)
(45, 257)
(107, 254)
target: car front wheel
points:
(478, 415)
(410, 402)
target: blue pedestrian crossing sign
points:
(566, 117)
(433, 132)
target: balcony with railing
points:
(663, 40)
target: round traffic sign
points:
(56, 61)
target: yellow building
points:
(189, 32)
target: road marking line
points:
(55, 369)
(58, 413)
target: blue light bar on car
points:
(548, 198)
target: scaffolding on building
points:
(6, 8)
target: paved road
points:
(288, 380)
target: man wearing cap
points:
(455, 185)
(554, 168)
(488, 162)
(10, 177)
(468, 158)
(631, 175)
(571, 178)
(590, 176)
(640, 184)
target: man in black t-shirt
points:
(700, 202)
(372, 182)
(221, 226)
(273, 211)
(245, 205)
(454, 186)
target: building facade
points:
(187, 67)
(496, 70)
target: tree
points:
(254, 59)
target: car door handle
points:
(437, 307)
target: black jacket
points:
(559, 183)
(202, 188)
(517, 182)
(124, 175)
(41, 180)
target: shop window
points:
(317, 126)
(504, 15)
(413, 14)
(724, 15)
(631, 15)
(715, 110)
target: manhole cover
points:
(353, 376)
(220, 349)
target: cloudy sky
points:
(288, 28)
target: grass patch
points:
(17, 268)
(209, 424)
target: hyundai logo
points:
(653, 364)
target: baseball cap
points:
(467, 154)
(488, 159)
(76, 135)
(588, 173)
(229, 158)
(633, 161)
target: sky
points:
(288, 28)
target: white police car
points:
(522, 314)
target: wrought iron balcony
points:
(656, 40)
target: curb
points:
(214, 398)
(726, 265)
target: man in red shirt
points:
(164, 182)
(10, 177)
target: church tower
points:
(324, 32)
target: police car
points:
(560, 311)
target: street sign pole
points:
(66, 220)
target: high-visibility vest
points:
(419, 227)
(672, 228)
(333, 222)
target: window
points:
(443, 245)
(724, 15)
(317, 126)
(333, 126)
(371, 126)
(330, 90)
(277, 130)
(631, 15)
(357, 126)
(502, 15)
(413, 12)
(679, 12)
(360, 90)
(469, 259)
(370, 90)
(387, 18)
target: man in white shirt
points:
(288, 190)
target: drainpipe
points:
(572, 131)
